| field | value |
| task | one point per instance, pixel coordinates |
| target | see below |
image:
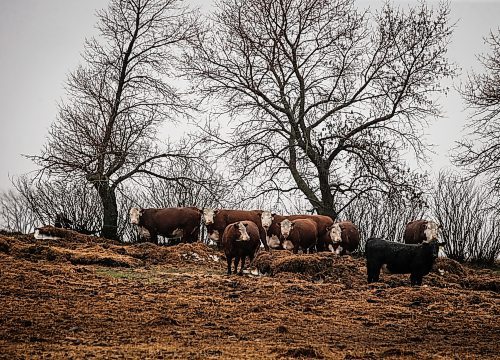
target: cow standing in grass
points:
(239, 241)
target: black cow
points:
(400, 258)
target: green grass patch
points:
(119, 273)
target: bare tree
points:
(106, 130)
(207, 188)
(480, 151)
(469, 222)
(327, 98)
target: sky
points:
(41, 42)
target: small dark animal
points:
(62, 221)
(299, 234)
(240, 240)
(400, 258)
(418, 231)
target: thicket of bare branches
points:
(383, 216)
(324, 97)
(75, 200)
(470, 223)
(106, 130)
(15, 214)
(479, 152)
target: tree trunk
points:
(327, 206)
(110, 210)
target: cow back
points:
(322, 222)
(225, 217)
(415, 232)
(305, 233)
(165, 221)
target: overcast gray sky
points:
(41, 42)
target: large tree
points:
(479, 152)
(106, 130)
(328, 100)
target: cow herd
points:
(241, 232)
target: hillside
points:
(86, 297)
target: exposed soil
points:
(87, 297)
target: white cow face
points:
(431, 231)
(267, 219)
(273, 242)
(208, 216)
(135, 215)
(214, 235)
(242, 229)
(286, 228)
(335, 233)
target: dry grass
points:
(88, 298)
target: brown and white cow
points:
(217, 220)
(183, 222)
(273, 230)
(418, 231)
(240, 240)
(342, 237)
(299, 234)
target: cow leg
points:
(263, 239)
(416, 279)
(154, 238)
(191, 236)
(242, 265)
(229, 261)
(373, 272)
(236, 262)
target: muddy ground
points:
(85, 297)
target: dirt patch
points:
(177, 302)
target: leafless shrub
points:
(378, 215)
(75, 200)
(15, 216)
(470, 224)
